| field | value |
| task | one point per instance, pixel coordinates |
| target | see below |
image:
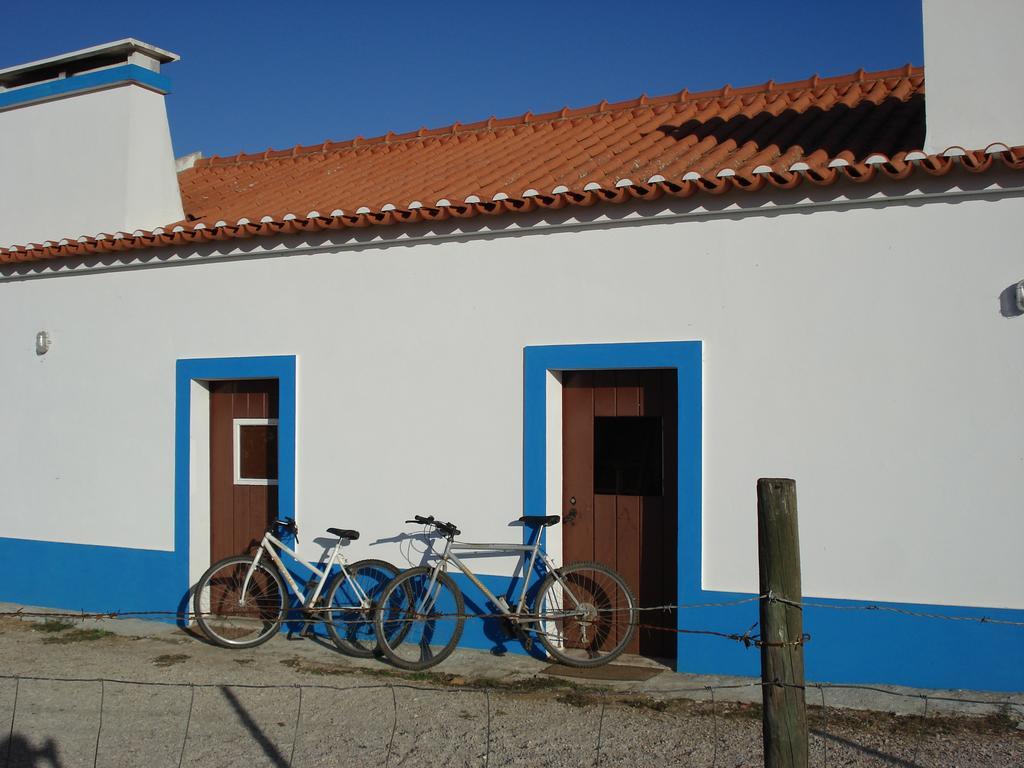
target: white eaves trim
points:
(514, 228)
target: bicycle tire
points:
(413, 645)
(577, 635)
(351, 626)
(223, 620)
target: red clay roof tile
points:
(821, 130)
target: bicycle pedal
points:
(509, 630)
(522, 636)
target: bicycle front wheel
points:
(419, 619)
(586, 614)
(235, 614)
(350, 622)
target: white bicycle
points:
(241, 601)
(584, 614)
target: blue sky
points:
(263, 74)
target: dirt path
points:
(348, 714)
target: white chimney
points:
(973, 57)
(85, 146)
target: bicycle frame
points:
(270, 544)
(448, 556)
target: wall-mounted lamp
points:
(1020, 295)
(42, 343)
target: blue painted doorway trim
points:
(682, 356)
(280, 367)
(847, 645)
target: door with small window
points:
(619, 487)
(243, 464)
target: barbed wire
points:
(526, 621)
(890, 609)
(303, 613)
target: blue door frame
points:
(280, 367)
(852, 646)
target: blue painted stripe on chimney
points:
(87, 81)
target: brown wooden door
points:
(243, 464)
(619, 486)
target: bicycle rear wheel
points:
(235, 618)
(419, 619)
(586, 614)
(349, 623)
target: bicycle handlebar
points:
(421, 520)
(448, 529)
(288, 525)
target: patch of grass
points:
(644, 702)
(742, 711)
(170, 659)
(77, 636)
(569, 692)
(577, 698)
(53, 625)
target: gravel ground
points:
(348, 714)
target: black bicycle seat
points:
(544, 520)
(342, 533)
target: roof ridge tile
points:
(603, 107)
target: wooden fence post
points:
(784, 716)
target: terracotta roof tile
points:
(819, 130)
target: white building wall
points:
(862, 352)
(973, 55)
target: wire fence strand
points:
(824, 729)
(14, 713)
(394, 728)
(99, 728)
(600, 728)
(920, 732)
(487, 741)
(534, 624)
(295, 735)
(301, 726)
(188, 722)
(714, 728)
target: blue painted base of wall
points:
(847, 645)
(92, 578)
(852, 645)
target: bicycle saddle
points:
(342, 533)
(544, 520)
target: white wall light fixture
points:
(42, 342)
